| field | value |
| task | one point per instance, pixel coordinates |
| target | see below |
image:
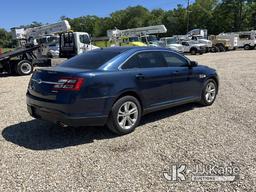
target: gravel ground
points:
(38, 156)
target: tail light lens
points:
(69, 83)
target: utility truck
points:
(39, 44)
(243, 39)
(145, 35)
(224, 42)
(32, 45)
(247, 40)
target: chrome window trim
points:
(143, 51)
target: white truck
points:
(172, 43)
(247, 40)
(243, 39)
(74, 43)
(201, 36)
(193, 47)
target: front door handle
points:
(175, 73)
(140, 76)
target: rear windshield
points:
(90, 60)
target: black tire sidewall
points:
(193, 51)
(203, 99)
(112, 121)
(247, 47)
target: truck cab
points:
(74, 43)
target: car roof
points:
(124, 49)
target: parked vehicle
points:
(74, 43)
(53, 50)
(116, 86)
(223, 43)
(233, 38)
(247, 40)
(201, 36)
(150, 40)
(145, 35)
(33, 48)
(193, 47)
(201, 40)
(172, 43)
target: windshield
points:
(171, 41)
(133, 39)
(90, 60)
(152, 38)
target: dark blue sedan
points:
(117, 86)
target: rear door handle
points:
(140, 76)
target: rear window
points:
(90, 60)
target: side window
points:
(151, 60)
(174, 60)
(84, 39)
(131, 63)
(185, 43)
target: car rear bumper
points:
(50, 112)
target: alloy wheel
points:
(210, 92)
(127, 115)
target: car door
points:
(152, 77)
(184, 82)
(186, 46)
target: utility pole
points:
(188, 15)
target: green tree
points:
(5, 39)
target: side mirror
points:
(193, 64)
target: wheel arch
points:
(193, 48)
(220, 44)
(130, 93)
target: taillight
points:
(69, 83)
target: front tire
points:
(125, 115)
(209, 93)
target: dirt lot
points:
(37, 156)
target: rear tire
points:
(209, 93)
(125, 115)
(247, 47)
(193, 51)
(24, 67)
(221, 48)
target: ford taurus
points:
(116, 86)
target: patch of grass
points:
(102, 43)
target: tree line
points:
(215, 15)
